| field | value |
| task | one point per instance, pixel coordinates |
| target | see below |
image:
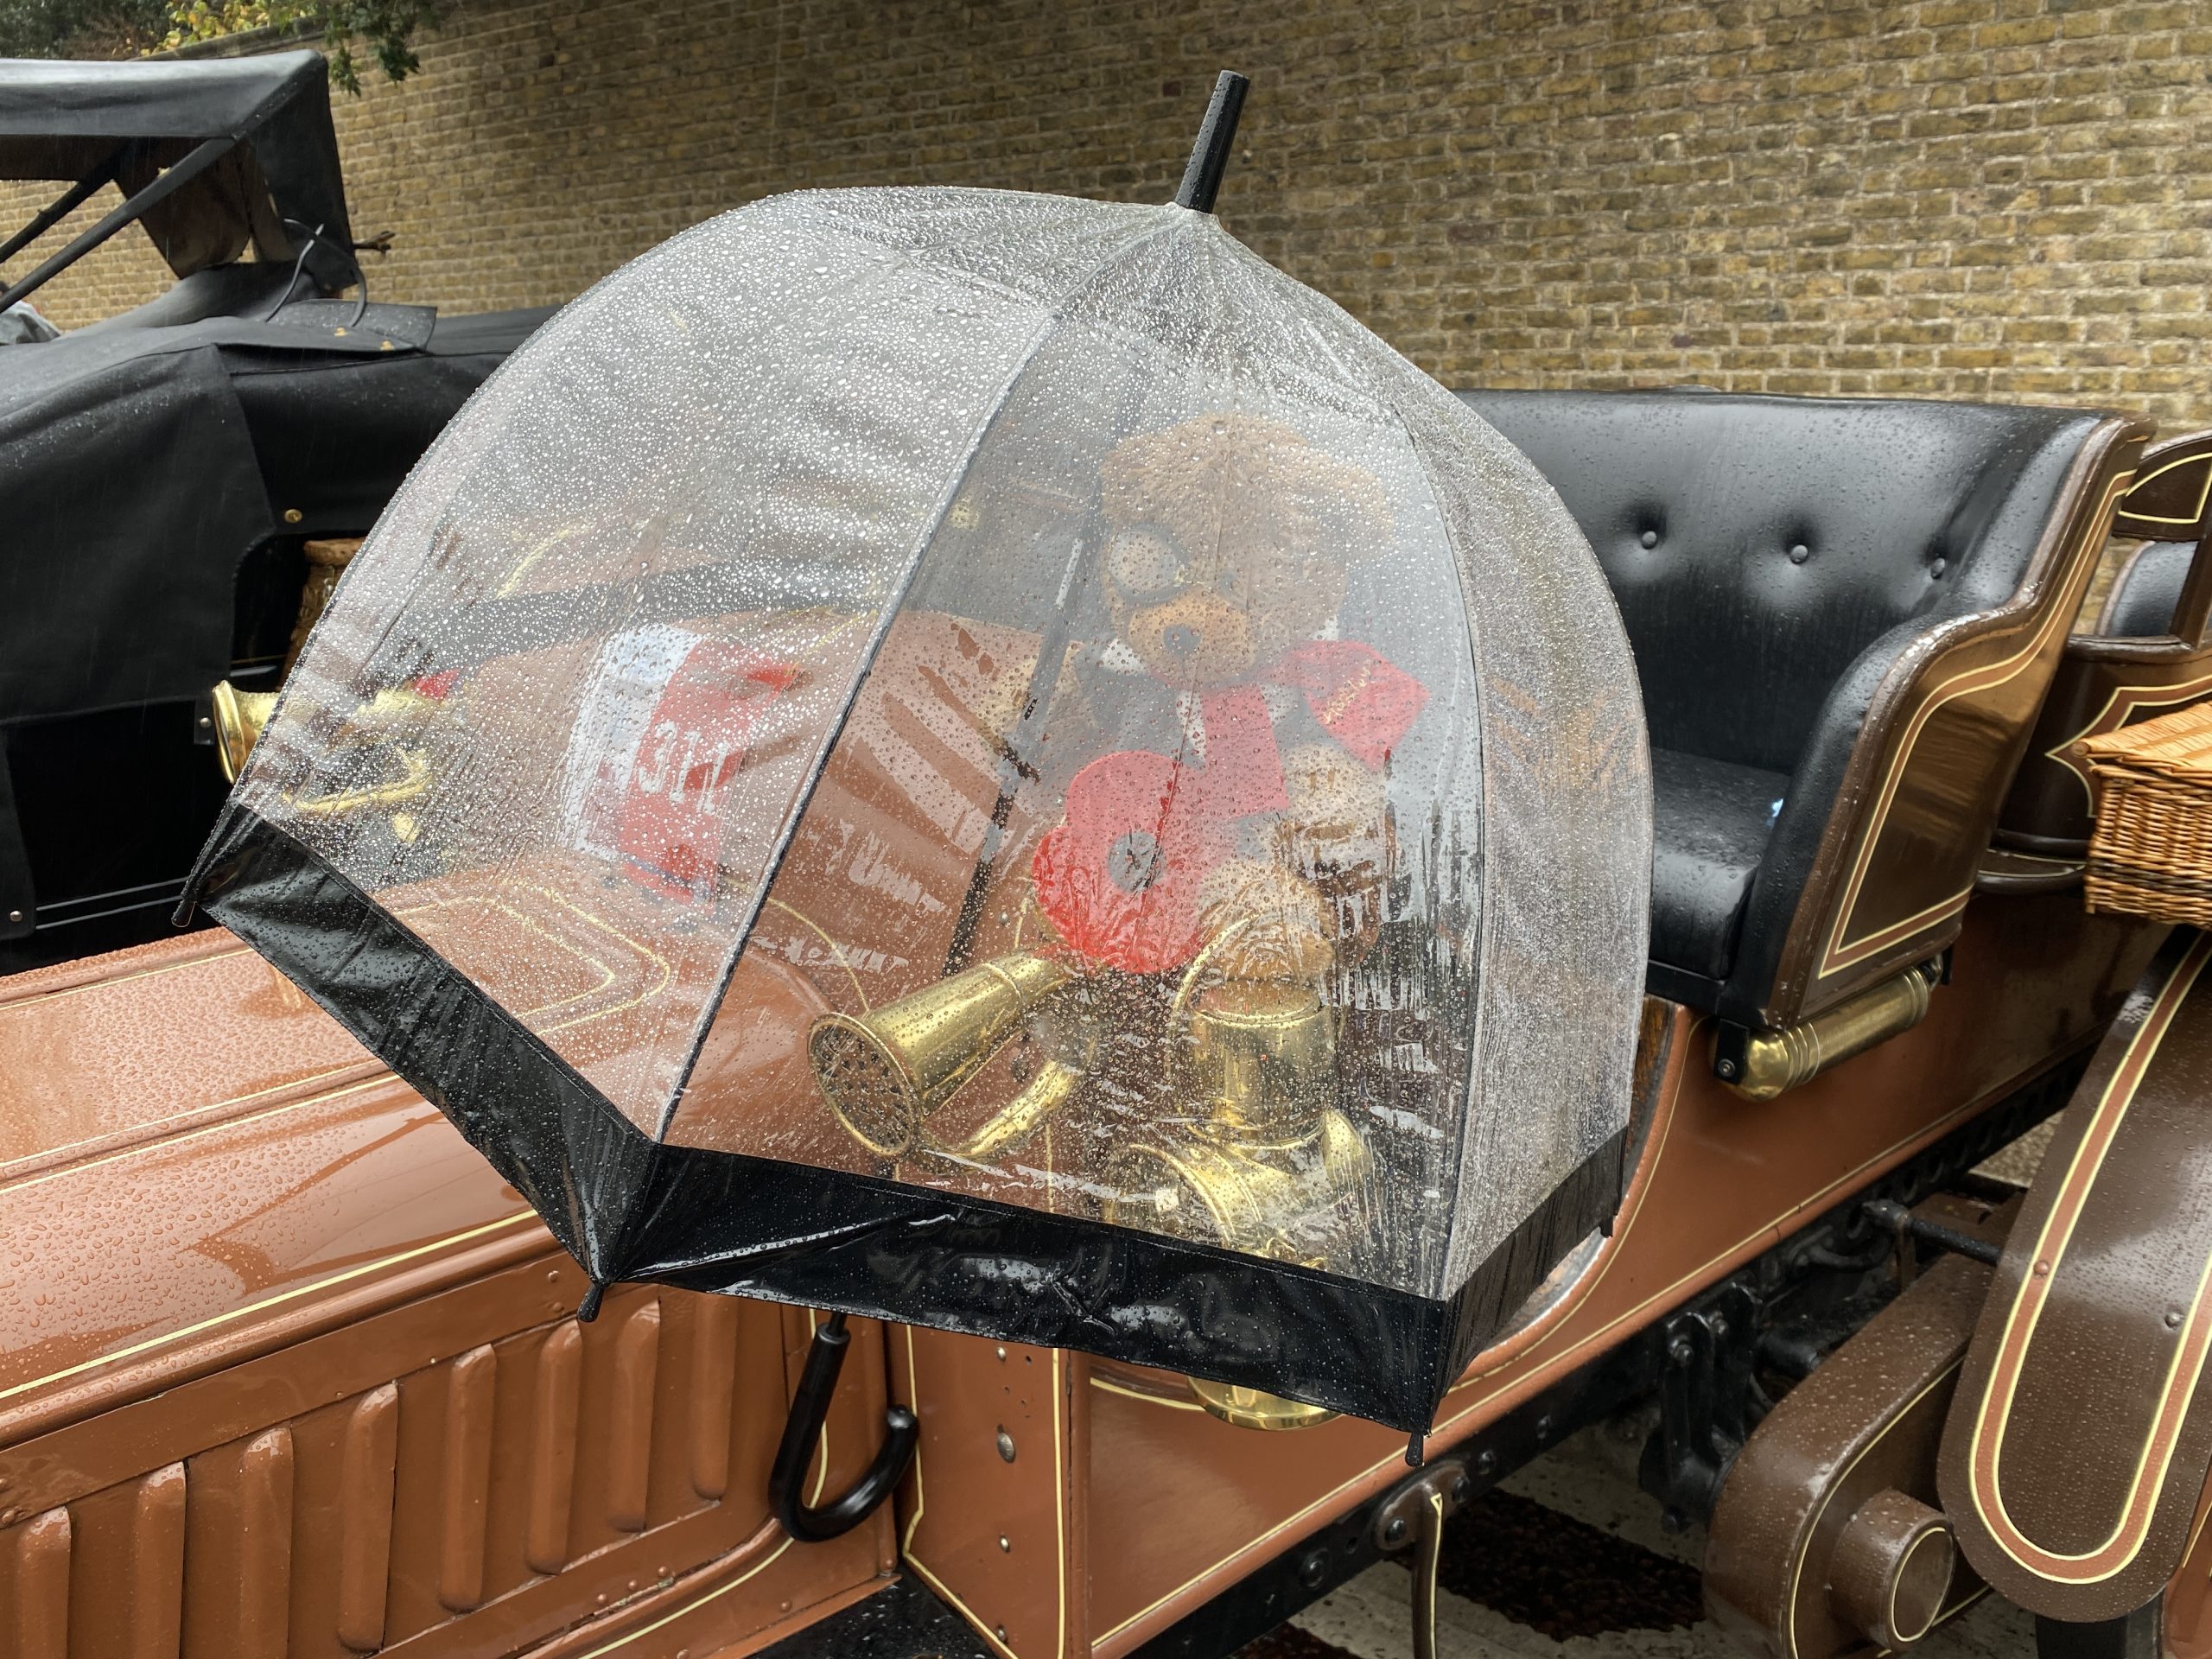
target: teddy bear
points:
(1246, 811)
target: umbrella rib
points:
(1462, 572)
(790, 827)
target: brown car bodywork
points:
(2081, 1437)
(273, 1285)
(1867, 1422)
(263, 1261)
(2106, 681)
(1168, 1507)
(286, 1369)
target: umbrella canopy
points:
(991, 760)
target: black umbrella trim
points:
(628, 1208)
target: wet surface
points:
(901, 1622)
(1568, 1560)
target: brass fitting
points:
(1762, 1064)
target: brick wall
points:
(1970, 198)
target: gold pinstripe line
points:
(2203, 496)
(292, 1294)
(2134, 697)
(1839, 955)
(1994, 1413)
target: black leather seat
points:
(1776, 559)
(2144, 594)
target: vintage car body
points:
(310, 1382)
(252, 1268)
(285, 1369)
(243, 425)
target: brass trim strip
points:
(836, 950)
(140, 1148)
(720, 1590)
(1102, 1385)
(1992, 1416)
(148, 1142)
(1840, 955)
(138, 1137)
(32, 998)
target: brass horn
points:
(239, 717)
(884, 1072)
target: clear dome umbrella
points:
(991, 760)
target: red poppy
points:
(1120, 876)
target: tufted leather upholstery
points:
(1773, 559)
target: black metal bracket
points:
(1216, 134)
(2138, 1634)
(165, 185)
(817, 1383)
(1709, 1402)
(1906, 1228)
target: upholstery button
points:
(1649, 538)
(1800, 553)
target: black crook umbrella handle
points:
(810, 1525)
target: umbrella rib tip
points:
(1216, 133)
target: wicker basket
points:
(2152, 851)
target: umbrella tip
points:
(1209, 155)
(587, 1310)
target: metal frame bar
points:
(204, 157)
(67, 203)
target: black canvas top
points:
(144, 463)
(62, 120)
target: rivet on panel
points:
(1939, 567)
(1001, 1353)
(1005, 1545)
(1006, 1446)
(2173, 1319)
(1649, 538)
(293, 515)
(1800, 553)
(2042, 1270)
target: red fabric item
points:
(694, 742)
(1243, 769)
(1120, 876)
(1362, 699)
